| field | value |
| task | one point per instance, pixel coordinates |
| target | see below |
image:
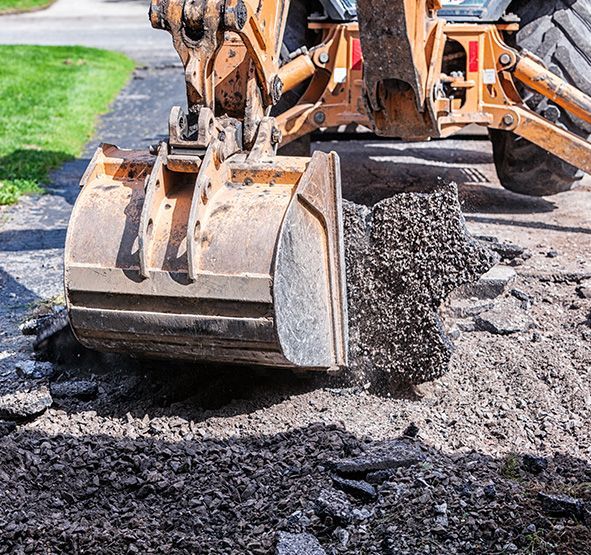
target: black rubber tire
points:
(558, 32)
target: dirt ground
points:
(152, 458)
(102, 454)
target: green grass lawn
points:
(14, 6)
(49, 101)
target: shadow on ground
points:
(530, 225)
(191, 390)
(33, 166)
(17, 240)
(385, 170)
(13, 293)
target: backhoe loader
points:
(214, 247)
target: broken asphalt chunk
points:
(83, 390)
(564, 506)
(357, 488)
(505, 319)
(298, 544)
(335, 505)
(35, 370)
(492, 284)
(388, 456)
(26, 403)
(505, 249)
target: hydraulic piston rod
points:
(537, 77)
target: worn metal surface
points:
(425, 77)
(394, 36)
(334, 95)
(532, 73)
(215, 249)
(263, 285)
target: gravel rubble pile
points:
(287, 494)
(125, 457)
(493, 457)
(131, 458)
(405, 255)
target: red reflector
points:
(357, 55)
(473, 56)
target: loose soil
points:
(176, 459)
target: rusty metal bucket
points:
(245, 266)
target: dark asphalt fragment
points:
(412, 430)
(35, 370)
(25, 403)
(490, 491)
(387, 456)
(558, 505)
(533, 464)
(357, 488)
(6, 428)
(505, 249)
(84, 390)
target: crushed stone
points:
(404, 256)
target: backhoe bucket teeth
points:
(238, 262)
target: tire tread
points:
(558, 32)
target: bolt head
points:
(276, 136)
(277, 89)
(324, 57)
(319, 117)
(552, 113)
(508, 119)
(238, 17)
(505, 59)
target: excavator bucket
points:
(237, 261)
(216, 248)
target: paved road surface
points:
(112, 24)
